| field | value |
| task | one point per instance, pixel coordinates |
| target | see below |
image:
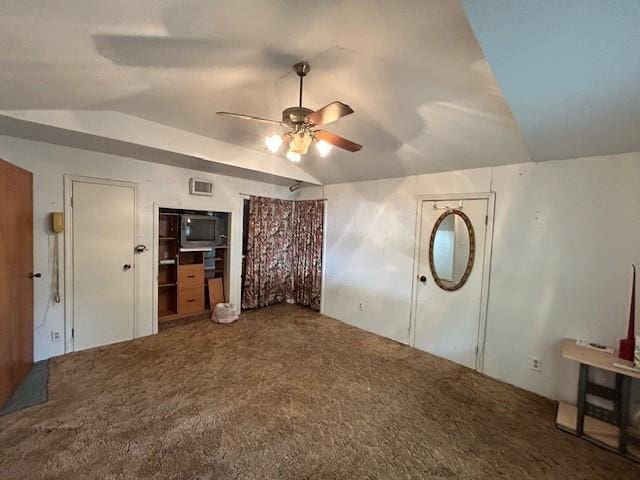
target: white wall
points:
(160, 184)
(82, 127)
(566, 233)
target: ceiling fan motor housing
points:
(293, 116)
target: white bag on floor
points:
(225, 313)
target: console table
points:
(604, 427)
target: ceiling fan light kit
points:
(273, 143)
(323, 147)
(293, 156)
(302, 121)
(300, 142)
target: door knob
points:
(423, 278)
(35, 275)
(126, 266)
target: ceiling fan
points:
(303, 122)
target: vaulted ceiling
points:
(425, 97)
(569, 69)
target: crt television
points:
(198, 231)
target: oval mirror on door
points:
(452, 250)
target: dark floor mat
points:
(32, 391)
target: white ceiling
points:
(425, 98)
(569, 69)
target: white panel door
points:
(447, 322)
(103, 268)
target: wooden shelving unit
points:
(183, 275)
(215, 267)
(168, 230)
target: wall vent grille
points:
(200, 187)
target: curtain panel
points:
(268, 262)
(284, 252)
(306, 269)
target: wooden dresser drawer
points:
(191, 276)
(191, 300)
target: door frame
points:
(234, 221)
(69, 179)
(486, 264)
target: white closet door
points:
(103, 264)
(447, 322)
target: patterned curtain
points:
(268, 262)
(306, 270)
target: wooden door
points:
(16, 287)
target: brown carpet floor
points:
(286, 393)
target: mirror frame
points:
(472, 250)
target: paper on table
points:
(594, 346)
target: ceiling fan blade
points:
(329, 113)
(251, 117)
(337, 141)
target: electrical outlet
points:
(55, 336)
(361, 307)
(535, 364)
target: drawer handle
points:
(191, 276)
(191, 300)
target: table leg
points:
(624, 412)
(618, 392)
(582, 397)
